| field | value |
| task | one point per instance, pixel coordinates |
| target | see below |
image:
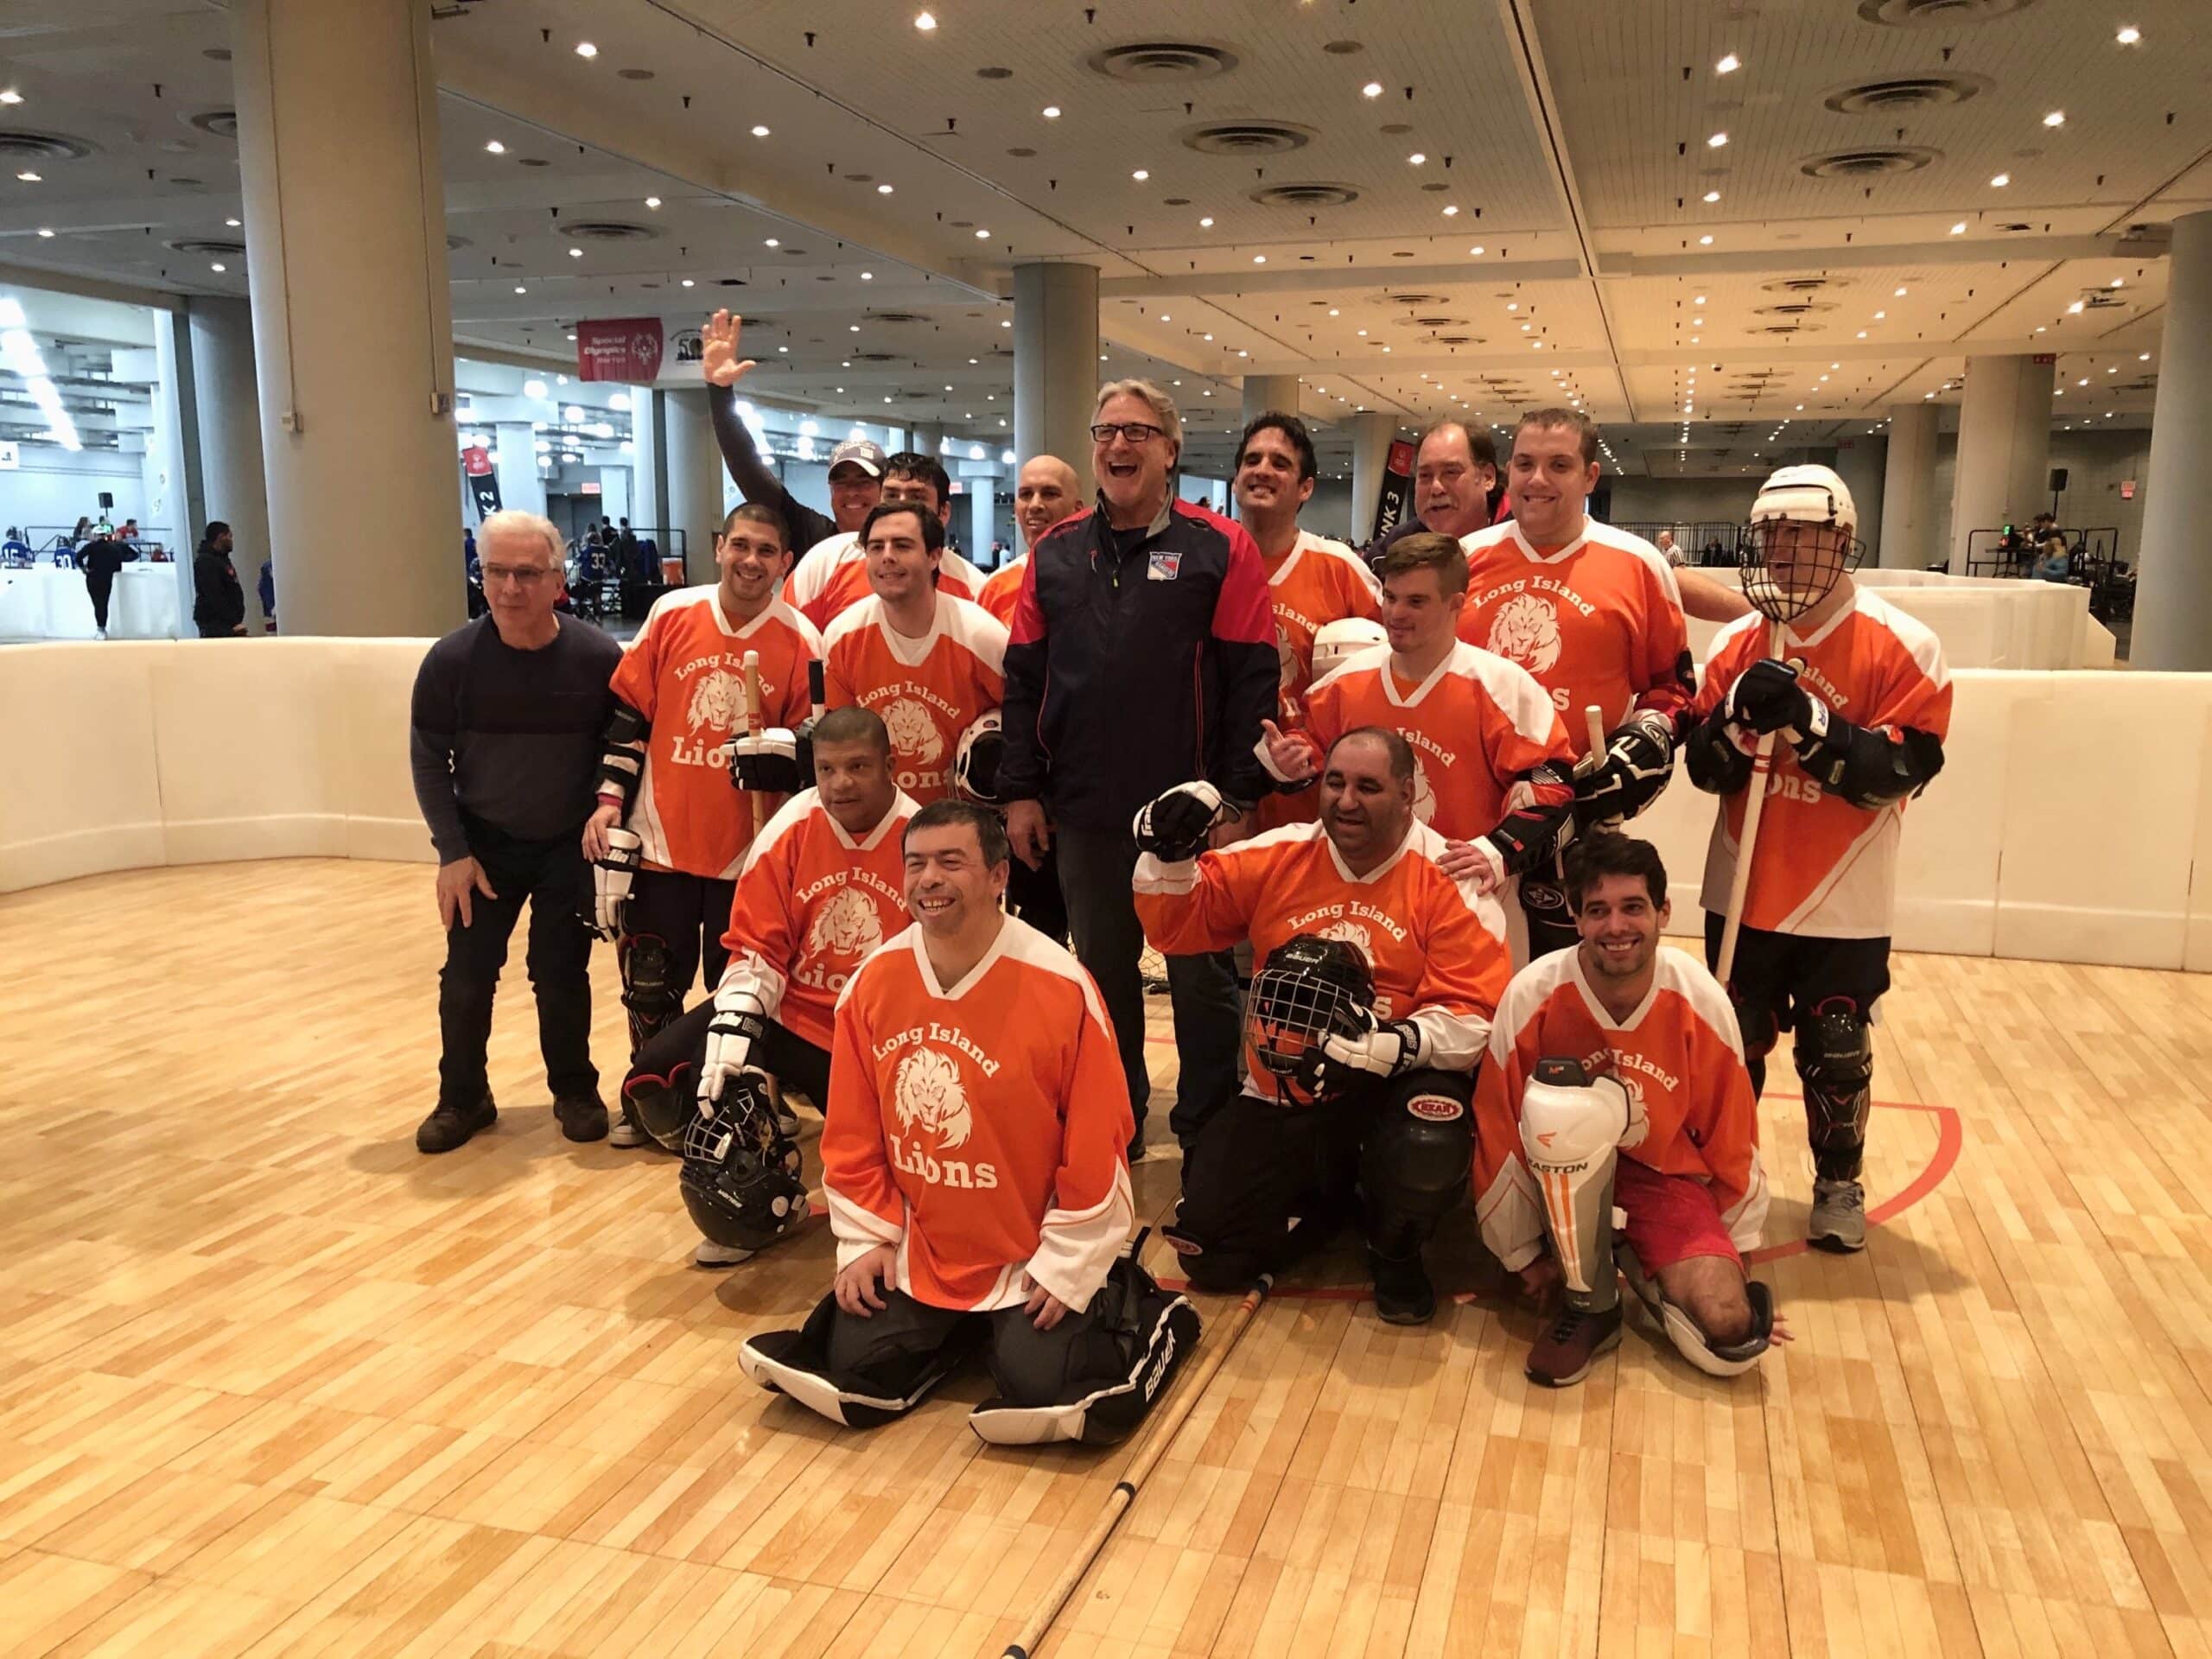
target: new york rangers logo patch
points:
(1165, 567)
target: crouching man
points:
(974, 1165)
(1616, 1088)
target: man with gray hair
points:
(1141, 655)
(508, 714)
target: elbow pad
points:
(1714, 763)
(1868, 768)
(624, 755)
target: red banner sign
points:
(619, 348)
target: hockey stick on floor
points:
(1125, 1490)
(1739, 883)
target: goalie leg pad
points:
(650, 993)
(1714, 1359)
(1417, 1159)
(862, 1373)
(1093, 1378)
(1572, 1131)
(1836, 1061)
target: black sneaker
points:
(1402, 1293)
(451, 1126)
(1564, 1354)
(581, 1117)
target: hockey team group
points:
(868, 795)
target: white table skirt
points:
(45, 603)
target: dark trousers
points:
(553, 876)
(673, 1058)
(1029, 1367)
(1096, 868)
(100, 589)
(687, 914)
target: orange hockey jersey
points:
(1000, 589)
(1823, 866)
(685, 673)
(811, 903)
(982, 1128)
(1477, 724)
(928, 691)
(1317, 582)
(1437, 947)
(1682, 1061)
(1599, 620)
(833, 578)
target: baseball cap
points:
(864, 453)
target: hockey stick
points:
(754, 723)
(1125, 1490)
(1739, 883)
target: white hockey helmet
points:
(975, 765)
(1807, 495)
(1333, 642)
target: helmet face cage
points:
(1299, 998)
(1791, 565)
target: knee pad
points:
(1714, 1359)
(649, 989)
(1140, 1337)
(741, 1177)
(797, 1362)
(665, 1108)
(1418, 1161)
(1572, 1130)
(1835, 1062)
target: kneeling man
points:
(973, 1161)
(1378, 974)
(1615, 1087)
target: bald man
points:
(1045, 491)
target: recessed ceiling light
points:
(1900, 293)
(867, 276)
(1697, 322)
(652, 201)
(1373, 89)
(2116, 283)
(1208, 339)
(1716, 141)
(925, 22)
(2144, 357)
(772, 242)
(1880, 316)
(1513, 305)
(218, 265)
(687, 282)
(1712, 195)
(1705, 241)
(760, 132)
(1958, 229)
(2074, 309)
(1417, 158)
(983, 233)
(1698, 300)
(1728, 66)
(882, 189)
(1051, 112)
(586, 49)
(519, 289)
(496, 148)
(1205, 223)
(1259, 258)
(1141, 174)
(2055, 118)
(2000, 181)
(2129, 34)
(233, 223)
(1450, 212)
(1476, 250)
(10, 95)
(575, 253)
(42, 231)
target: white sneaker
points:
(711, 1254)
(786, 1119)
(625, 1132)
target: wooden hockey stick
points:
(755, 723)
(1148, 1455)
(1739, 883)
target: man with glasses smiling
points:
(1142, 655)
(507, 720)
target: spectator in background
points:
(2054, 562)
(16, 549)
(100, 559)
(267, 588)
(1665, 545)
(218, 601)
(84, 528)
(627, 551)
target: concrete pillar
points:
(1265, 392)
(227, 420)
(927, 438)
(979, 517)
(649, 476)
(345, 251)
(694, 478)
(1056, 365)
(522, 485)
(1909, 540)
(2173, 598)
(1858, 462)
(1371, 454)
(2004, 448)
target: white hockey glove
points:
(1175, 825)
(768, 763)
(740, 1021)
(1384, 1049)
(610, 880)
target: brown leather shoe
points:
(1564, 1354)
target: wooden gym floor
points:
(270, 1383)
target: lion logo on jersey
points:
(1424, 792)
(1526, 630)
(845, 926)
(717, 700)
(913, 733)
(927, 1091)
(1286, 662)
(1354, 935)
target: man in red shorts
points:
(1615, 1081)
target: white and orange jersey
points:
(685, 673)
(1597, 620)
(811, 903)
(1317, 582)
(927, 691)
(1678, 1055)
(1001, 588)
(1476, 723)
(1823, 865)
(1436, 946)
(833, 578)
(982, 1128)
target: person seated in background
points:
(2054, 560)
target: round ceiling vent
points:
(607, 229)
(1905, 93)
(20, 144)
(1451, 340)
(635, 74)
(1867, 163)
(1412, 297)
(1935, 14)
(1246, 137)
(455, 244)
(1433, 321)
(1803, 284)
(1790, 329)
(1310, 194)
(1154, 61)
(872, 357)
(223, 124)
(1793, 308)
(893, 316)
(212, 247)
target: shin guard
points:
(650, 994)
(1836, 1061)
(1572, 1128)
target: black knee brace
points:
(1835, 1061)
(1416, 1160)
(650, 993)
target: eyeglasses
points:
(1134, 431)
(522, 575)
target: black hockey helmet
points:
(741, 1179)
(1310, 987)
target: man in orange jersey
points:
(1862, 704)
(834, 577)
(929, 662)
(1616, 1082)
(1043, 494)
(1492, 771)
(821, 888)
(669, 832)
(973, 1165)
(1377, 976)
(1594, 614)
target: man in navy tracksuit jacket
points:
(1142, 655)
